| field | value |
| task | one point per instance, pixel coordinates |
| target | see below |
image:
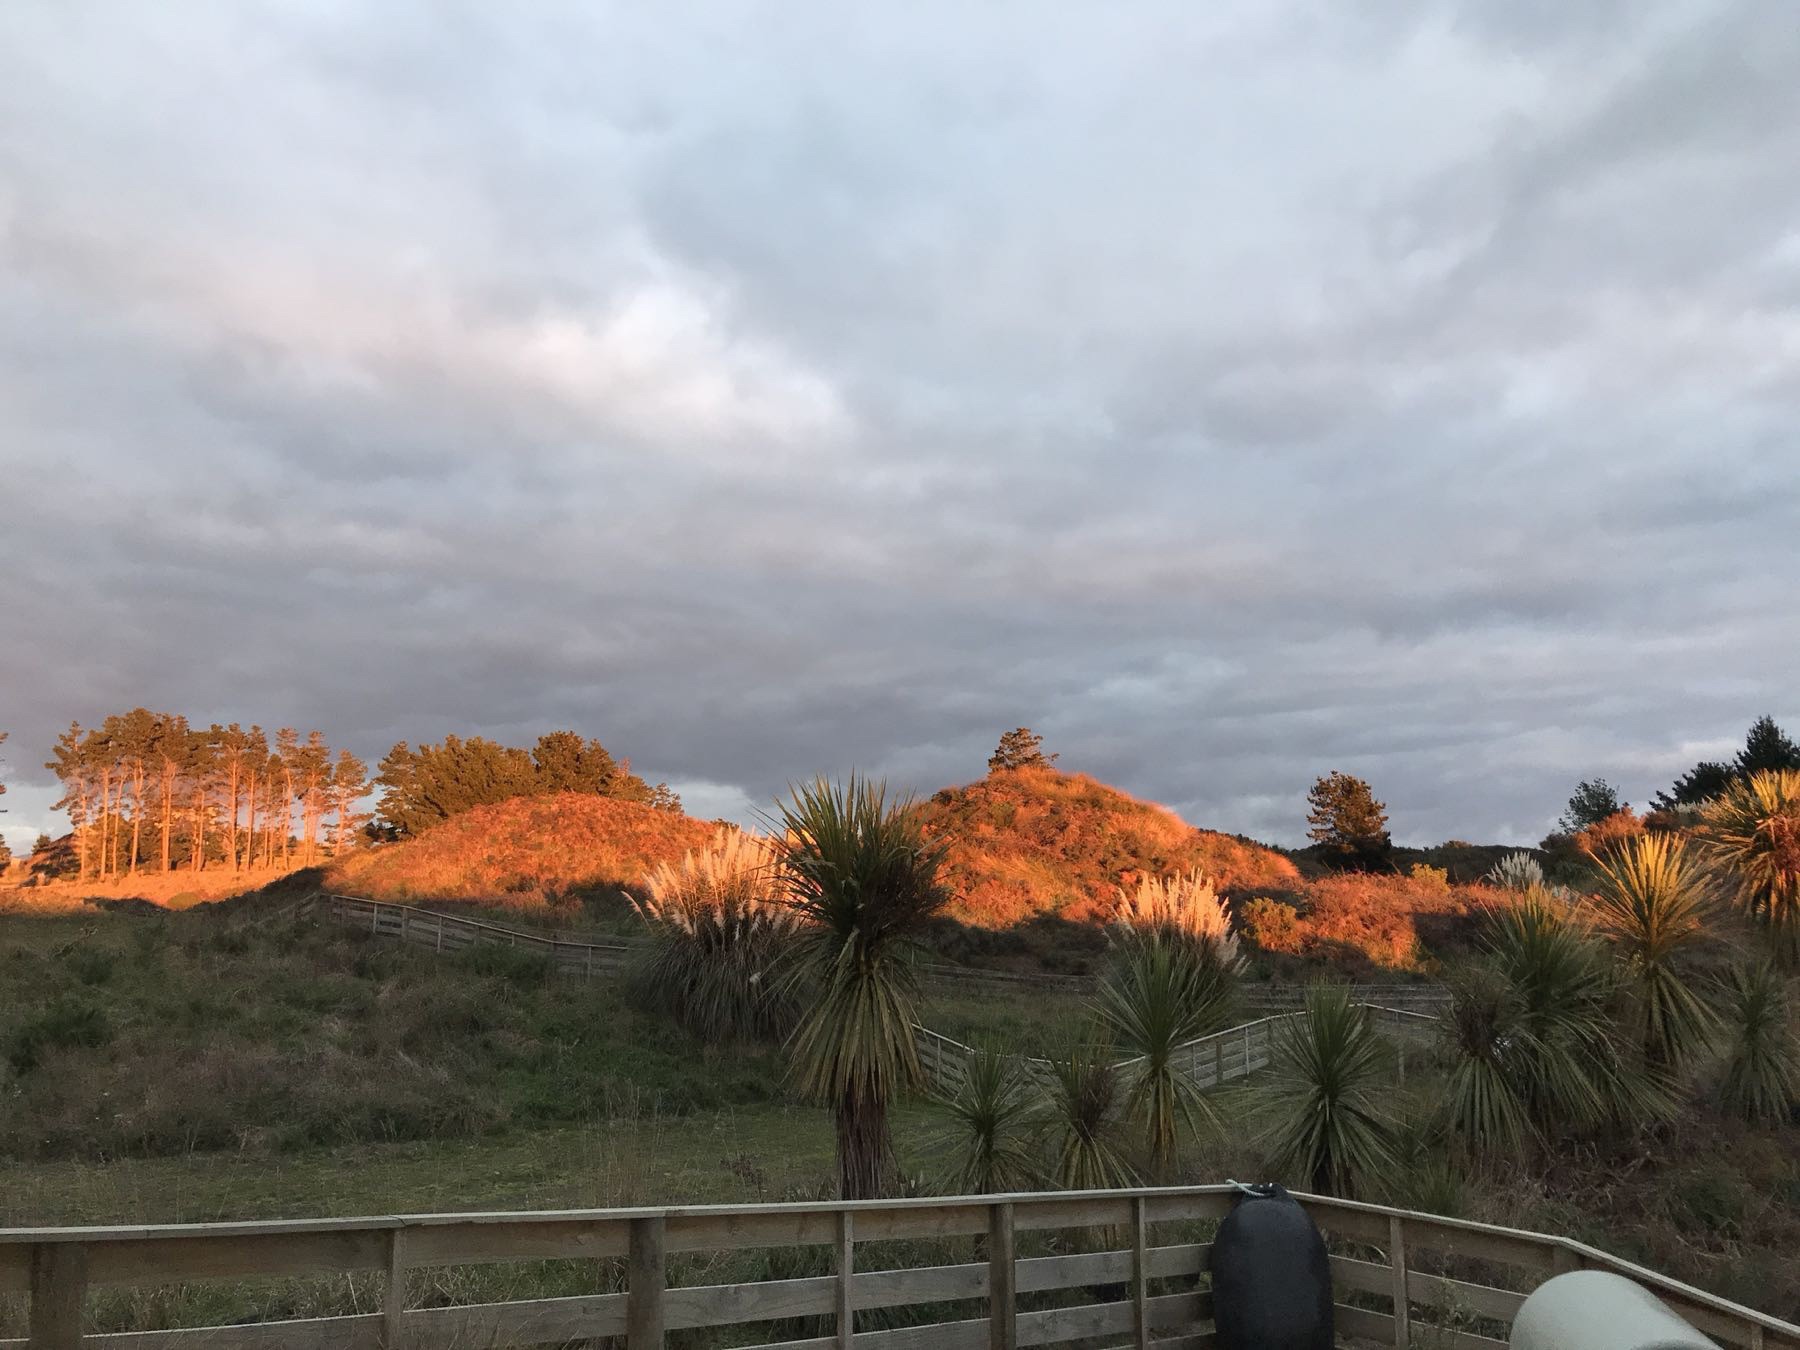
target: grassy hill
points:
(528, 852)
(1032, 842)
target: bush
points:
(1432, 878)
(67, 1022)
(719, 928)
(1273, 926)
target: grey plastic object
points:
(1598, 1310)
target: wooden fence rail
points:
(1210, 1061)
(1400, 1278)
(452, 932)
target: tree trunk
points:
(250, 825)
(168, 809)
(137, 812)
(865, 1146)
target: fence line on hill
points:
(451, 932)
(1018, 1276)
(1209, 1061)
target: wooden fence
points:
(452, 932)
(1400, 1278)
(1210, 1060)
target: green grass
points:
(311, 1071)
(140, 1036)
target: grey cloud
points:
(1232, 395)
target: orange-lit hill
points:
(1025, 842)
(525, 851)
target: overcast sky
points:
(1232, 393)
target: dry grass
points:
(527, 853)
(1027, 842)
(1366, 924)
(176, 890)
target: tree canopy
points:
(1594, 800)
(1020, 748)
(425, 786)
(1347, 822)
(1766, 748)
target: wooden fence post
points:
(393, 1298)
(1397, 1258)
(58, 1292)
(846, 1278)
(1218, 1061)
(647, 1277)
(1140, 1276)
(1003, 1311)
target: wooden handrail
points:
(57, 1266)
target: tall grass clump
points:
(1652, 906)
(1183, 908)
(1517, 872)
(720, 927)
(985, 1142)
(1326, 1122)
(1752, 832)
(862, 877)
(1762, 1059)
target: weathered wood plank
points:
(1140, 1276)
(774, 1228)
(1397, 1259)
(1003, 1302)
(359, 1332)
(59, 1284)
(1371, 1326)
(1440, 1291)
(480, 1243)
(1370, 1277)
(535, 1322)
(646, 1279)
(844, 1286)
(1170, 1314)
(717, 1305)
(170, 1260)
(15, 1269)
(1088, 1211)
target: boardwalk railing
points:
(451, 932)
(1400, 1278)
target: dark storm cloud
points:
(1232, 395)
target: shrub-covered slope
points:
(1027, 842)
(527, 850)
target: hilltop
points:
(1035, 841)
(526, 851)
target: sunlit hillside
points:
(527, 851)
(1025, 842)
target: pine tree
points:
(1020, 748)
(1594, 800)
(1346, 820)
(1766, 747)
(349, 784)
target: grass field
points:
(166, 1067)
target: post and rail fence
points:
(452, 932)
(1400, 1278)
(1210, 1061)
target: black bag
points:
(1271, 1278)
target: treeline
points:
(146, 791)
(426, 786)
